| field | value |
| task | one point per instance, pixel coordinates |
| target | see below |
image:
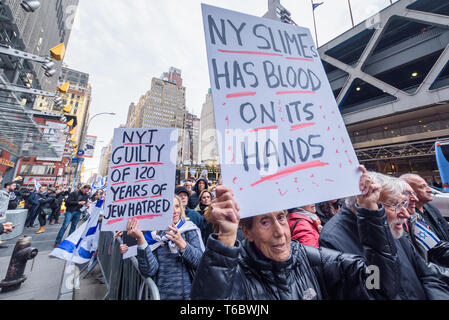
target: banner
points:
(281, 133)
(141, 179)
(89, 146)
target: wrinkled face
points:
(411, 198)
(423, 192)
(206, 198)
(176, 211)
(184, 198)
(396, 216)
(201, 185)
(271, 235)
(310, 208)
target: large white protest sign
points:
(281, 137)
(141, 179)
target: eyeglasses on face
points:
(397, 207)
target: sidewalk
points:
(43, 282)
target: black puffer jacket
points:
(240, 273)
(417, 280)
(73, 199)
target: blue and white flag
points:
(37, 185)
(424, 235)
(80, 246)
(203, 173)
(316, 5)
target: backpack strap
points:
(294, 225)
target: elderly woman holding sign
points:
(169, 257)
(268, 265)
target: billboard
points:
(89, 146)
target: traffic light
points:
(64, 88)
(58, 52)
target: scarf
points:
(316, 220)
(155, 239)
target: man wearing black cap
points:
(194, 216)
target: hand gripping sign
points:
(282, 139)
(141, 179)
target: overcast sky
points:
(122, 44)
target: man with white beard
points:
(417, 280)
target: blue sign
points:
(80, 153)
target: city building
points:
(163, 106)
(390, 77)
(49, 169)
(36, 33)
(132, 116)
(104, 160)
(79, 96)
(191, 137)
(208, 134)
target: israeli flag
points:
(37, 185)
(80, 246)
(192, 172)
(203, 173)
(316, 5)
(425, 236)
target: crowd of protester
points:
(316, 251)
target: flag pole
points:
(350, 11)
(314, 24)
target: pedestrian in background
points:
(305, 225)
(46, 199)
(75, 202)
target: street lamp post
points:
(81, 144)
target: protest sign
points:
(282, 140)
(141, 179)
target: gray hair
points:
(390, 187)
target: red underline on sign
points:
(264, 128)
(301, 125)
(148, 216)
(252, 52)
(114, 184)
(288, 171)
(301, 59)
(114, 221)
(137, 144)
(294, 92)
(129, 199)
(144, 180)
(156, 196)
(241, 94)
(139, 164)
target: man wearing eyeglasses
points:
(416, 280)
(427, 243)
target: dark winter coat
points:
(169, 270)
(416, 280)
(194, 198)
(238, 272)
(436, 221)
(73, 199)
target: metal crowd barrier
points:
(122, 277)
